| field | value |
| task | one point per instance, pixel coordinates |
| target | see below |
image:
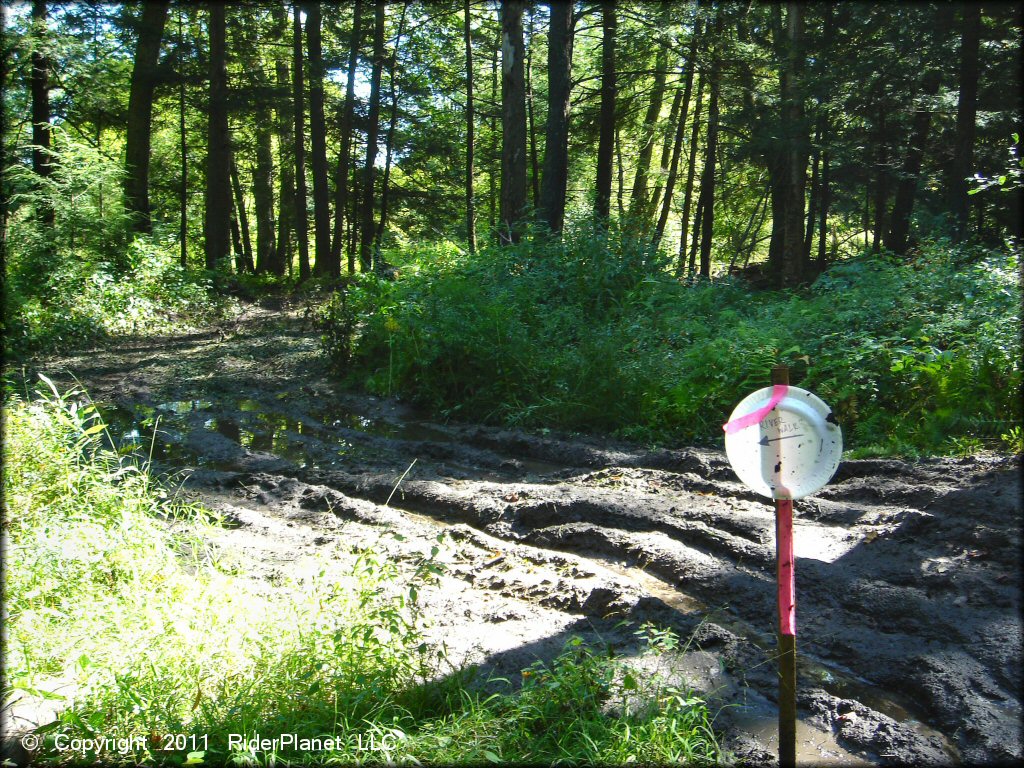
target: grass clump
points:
(592, 333)
(584, 707)
(120, 609)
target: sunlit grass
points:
(114, 593)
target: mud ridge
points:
(908, 573)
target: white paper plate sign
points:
(783, 442)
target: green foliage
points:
(1014, 440)
(86, 276)
(157, 632)
(589, 707)
(592, 334)
(83, 191)
(1010, 180)
(116, 595)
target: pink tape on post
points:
(756, 417)
(787, 581)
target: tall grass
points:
(113, 591)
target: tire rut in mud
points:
(908, 573)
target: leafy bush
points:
(86, 276)
(592, 334)
(584, 707)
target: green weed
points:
(593, 334)
(88, 276)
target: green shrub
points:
(592, 333)
(158, 633)
(86, 275)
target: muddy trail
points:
(908, 574)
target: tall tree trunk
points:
(140, 114)
(470, 202)
(691, 173)
(245, 265)
(40, 86)
(605, 148)
(298, 106)
(556, 144)
(777, 191)
(677, 146)
(389, 140)
(815, 192)
(707, 183)
(183, 148)
(325, 265)
(286, 208)
(236, 242)
(620, 168)
(776, 151)
(286, 143)
(217, 217)
(354, 221)
(513, 122)
(881, 182)
(667, 144)
(638, 197)
(795, 179)
(966, 115)
(367, 230)
(531, 133)
(906, 188)
(263, 185)
(865, 216)
(826, 199)
(698, 218)
(342, 176)
(491, 173)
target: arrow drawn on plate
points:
(765, 440)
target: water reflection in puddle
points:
(185, 406)
(324, 438)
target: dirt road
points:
(908, 574)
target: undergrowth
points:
(86, 274)
(156, 648)
(593, 334)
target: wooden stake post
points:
(808, 448)
(785, 574)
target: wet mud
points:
(908, 573)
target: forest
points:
(344, 269)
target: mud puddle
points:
(814, 743)
(315, 436)
(908, 573)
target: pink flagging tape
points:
(787, 581)
(756, 417)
